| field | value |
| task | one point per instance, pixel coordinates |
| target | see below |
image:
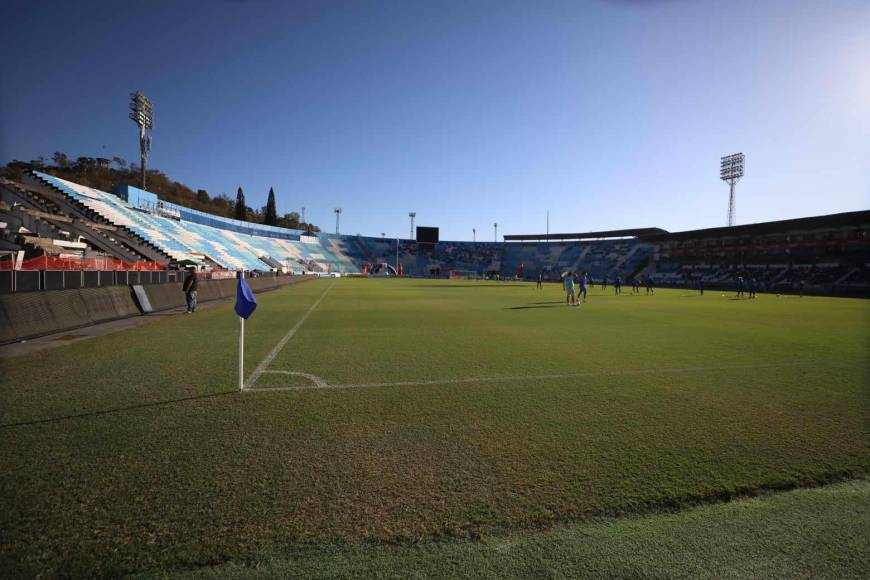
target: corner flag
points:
(246, 303)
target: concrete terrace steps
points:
(152, 252)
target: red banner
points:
(55, 263)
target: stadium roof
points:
(834, 220)
(631, 233)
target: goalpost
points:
(464, 275)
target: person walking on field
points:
(541, 279)
(190, 286)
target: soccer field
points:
(385, 412)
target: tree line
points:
(102, 173)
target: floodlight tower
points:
(337, 217)
(142, 113)
(731, 170)
(303, 214)
(412, 215)
(474, 235)
(495, 228)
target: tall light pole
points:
(548, 226)
(337, 217)
(303, 214)
(730, 171)
(474, 234)
(495, 227)
(142, 113)
(412, 215)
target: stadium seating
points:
(824, 252)
(223, 245)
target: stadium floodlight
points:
(142, 113)
(412, 215)
(303, 214)
(730, 171)
(495, 228)
(474, 234)
(337, 216)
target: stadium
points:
(194, 390)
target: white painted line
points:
(518, 378)
(264, 364)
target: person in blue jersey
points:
(701, 285)
(635, 285)
(752, 287)
(649, 286)
(740, 286)
(584, 280)
(617, 285)
(604, 283)
(569, 289)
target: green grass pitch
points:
(449, 427)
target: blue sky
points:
(610, 114)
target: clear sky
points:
(610, 114)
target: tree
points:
(241, 212)
(270, 213)
(202, 196)
(60, 159)
(290, 220)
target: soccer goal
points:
(464, 275)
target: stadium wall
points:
(28, 315)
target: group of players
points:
(577, 285)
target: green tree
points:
(270, 213)
(241, 211)
(60, 160)
(202, 196)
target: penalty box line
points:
(320, 384)
(264, 364)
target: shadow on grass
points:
(552, 305)
(118, 409)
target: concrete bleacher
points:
(222, 242)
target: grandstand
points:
(51, 217)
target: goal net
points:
(464, 275)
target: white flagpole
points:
(242, 354)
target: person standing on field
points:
(190, 286)
(583, 282)
(569, 288)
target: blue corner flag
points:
(246, 303)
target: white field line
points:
(264, 364)
(319, 383)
